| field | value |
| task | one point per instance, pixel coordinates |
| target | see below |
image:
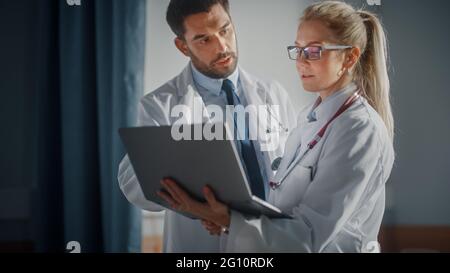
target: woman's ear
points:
(182, 46)
(352, 58)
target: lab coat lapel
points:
(256, 95)
(292, 145)
(312, 128)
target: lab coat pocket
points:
(291, 191)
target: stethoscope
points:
(276, 163)
(318, 137)
(281, 127)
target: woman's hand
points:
(212, 211)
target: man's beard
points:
(210, 71)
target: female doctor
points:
(332, 176)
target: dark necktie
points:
(247, 148)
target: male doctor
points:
(205, 33)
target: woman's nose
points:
(302, 61)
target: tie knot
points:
(227, 85)
(229, 88)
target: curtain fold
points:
(96, 55)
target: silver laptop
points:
(154, 154)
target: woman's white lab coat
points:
(336, 195)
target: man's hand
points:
(212, 228)
(212, 211)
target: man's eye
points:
(224, 31)
(204, 41)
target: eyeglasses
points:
(312, 53)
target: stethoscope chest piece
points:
(276, 163)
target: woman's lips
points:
(305, 77)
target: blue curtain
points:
(91, 60)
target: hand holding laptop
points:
(213, 213)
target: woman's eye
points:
(313, 49)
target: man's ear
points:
(182, 46)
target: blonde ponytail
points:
(364, 30)
(371, 71)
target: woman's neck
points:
(339, 85)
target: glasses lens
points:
(293, 52)
(313, 52)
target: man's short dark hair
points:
(178, 10)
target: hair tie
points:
(364, 16)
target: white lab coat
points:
(336, 195)
(182, 234)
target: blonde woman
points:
(336, 162)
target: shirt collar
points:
(213, 85)
(331, 104)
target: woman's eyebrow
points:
(310, 43)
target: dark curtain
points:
(89, 77)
